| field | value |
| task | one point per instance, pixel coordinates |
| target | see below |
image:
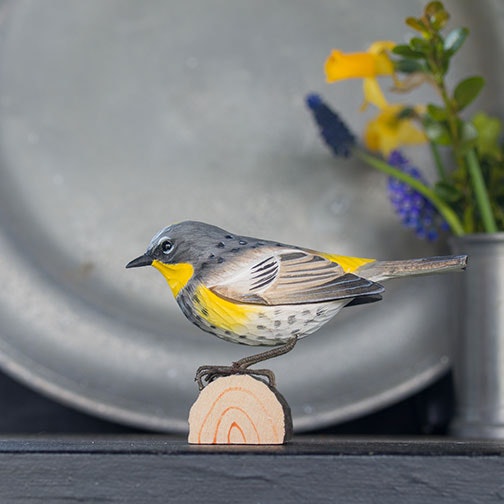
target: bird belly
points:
(253, 324)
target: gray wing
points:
(293, 277)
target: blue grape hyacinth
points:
(333, 130)
(416, 211)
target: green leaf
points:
(419, 44)
(438, 133)
(407, 113)
(468, 219)
(454, 40)
(436, 112)
(408, 66)
(432, 8)
(468, 132)
(467, 90)
(489, 131)
(448, 192)
(468, 136)
(437, 15)
(407, 52)
(416, 24)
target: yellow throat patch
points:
(177, 275)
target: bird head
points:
(178, 251)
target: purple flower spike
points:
(415, 211)
(333, 130)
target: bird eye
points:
(166, 246)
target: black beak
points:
(144, 260)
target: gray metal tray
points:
(118, 117)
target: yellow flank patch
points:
(222, 313)
(177, 275)
(349, 264)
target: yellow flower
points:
(388, 130)
(363, 65)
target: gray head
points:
(186, 242)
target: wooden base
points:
(239, 409)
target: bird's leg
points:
(268, 354)
(209, 373)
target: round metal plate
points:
(119, 117)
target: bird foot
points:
(207, 374)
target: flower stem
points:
(439, 162)
(452, 117)
(480, 192)
(448, 214)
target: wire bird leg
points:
(207, 374)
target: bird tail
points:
(383, 270)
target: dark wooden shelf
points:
(156, 468)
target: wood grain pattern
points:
(239, 409)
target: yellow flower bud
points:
(388, 131)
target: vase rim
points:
(480, 237)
